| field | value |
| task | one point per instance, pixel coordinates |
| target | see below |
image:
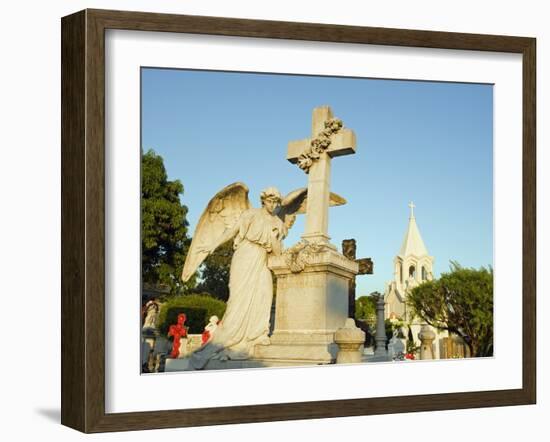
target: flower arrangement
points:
(319, 144)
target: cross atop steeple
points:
(412, 206)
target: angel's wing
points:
(221, 213)
(296, 202)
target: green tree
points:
(164, 240)
(365, 310)
(214, 273)
(461, 302)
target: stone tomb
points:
(313, 278)
(311, 305)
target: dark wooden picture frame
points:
(83, 220)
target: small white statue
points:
(151, 310)
(210, 329)
(396, 348)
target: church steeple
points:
(412, 243)
(412, 266)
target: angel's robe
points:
(246, 319)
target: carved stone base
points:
(313, 347)
(312, 303)
(350, 341)
(174, 365)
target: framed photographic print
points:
(270, 220)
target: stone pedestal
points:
(183, 348)
(350, 340)
(380, 354)
(312, 303)
(426, 337)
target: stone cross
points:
(342, 142)
(349, 250)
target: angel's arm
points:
(285, 226)
(289, 222)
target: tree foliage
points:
(365, 310)
(214, 273)
(461, 302)
(164, 240)
(365, 317)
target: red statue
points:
(177, 331)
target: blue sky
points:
(429, 142)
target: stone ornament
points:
(301, 254)
(426, 337)
(350, 341)
(319, 144)
(151, 309)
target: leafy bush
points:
(460, 301)
(197, 308)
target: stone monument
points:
(313, 278)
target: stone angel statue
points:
(256, 233)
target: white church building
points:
(412, 265)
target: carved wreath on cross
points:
(319, 144)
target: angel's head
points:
(271, 199)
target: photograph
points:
(275, 221)
(310, 220)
